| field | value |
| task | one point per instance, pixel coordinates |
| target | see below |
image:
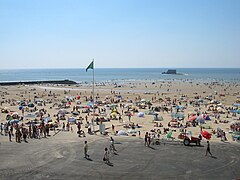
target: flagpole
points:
(93, 98)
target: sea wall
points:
(37, 82)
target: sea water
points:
(122, 74)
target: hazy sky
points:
(119, 33)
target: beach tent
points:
(200, 119)
(39, 103)
(62, 111)
(178, 115)
(31, 105)
(75, 113)
(114, 115)
(86, 107)
(72, 120)
(140, 114)
(30, 116)
(122, 133)
(126, 106)
(64, 101)
(47, 119)
(236, 105)
(78, 102)
(149, 112)
(157, 118)
(235, 111)
(132, 131)
(179, 107)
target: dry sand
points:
(131, 91)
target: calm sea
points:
(122, 74)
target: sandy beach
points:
(54, 150)
(140, 99)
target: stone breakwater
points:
(37, 82)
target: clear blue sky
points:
(119, 33)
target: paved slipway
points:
(61, 157)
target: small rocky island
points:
(172, 71)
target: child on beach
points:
(106, 156)
(85, 149)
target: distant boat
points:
(172, 71)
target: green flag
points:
(90, 66)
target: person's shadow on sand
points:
(214, 157)
(109, 164)
(152, 148)
(88, 158)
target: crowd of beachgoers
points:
(160, 109)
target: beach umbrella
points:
(206, 135)
(169, 135)
(14, 121)
(140, 114)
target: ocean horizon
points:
(120, 74)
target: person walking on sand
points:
(10, 136)
(146, 139)
(208, 149)
(85, 149)
(129, 117)
(106, 156)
